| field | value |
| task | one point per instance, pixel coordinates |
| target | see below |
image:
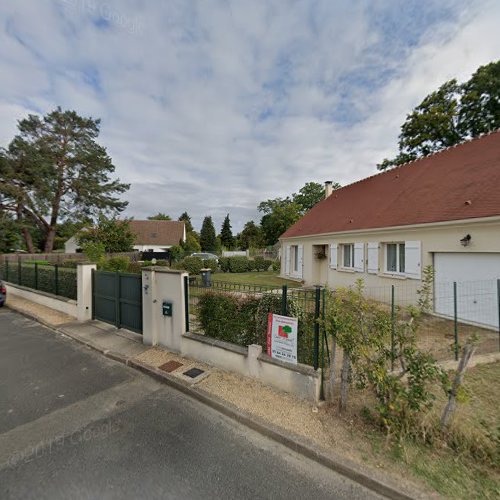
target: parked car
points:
(205, 256)
(3, 294)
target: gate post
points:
(163, 307)
(84, 291)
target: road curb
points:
(300, 445)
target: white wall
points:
(66, 306)
(434, 238)
(154, 248)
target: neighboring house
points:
(151, 235)
(442, 210)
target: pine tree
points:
(187, 222)
(208, 238)
(226, 235)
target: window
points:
(395, 258)
(348, 256)
(295, 258)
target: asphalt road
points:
(74, 424)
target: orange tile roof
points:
(461, 182)
(157, 232)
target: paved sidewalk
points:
(296, 423)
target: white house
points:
(442, 210)
(151, 235)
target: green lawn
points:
(254, 278)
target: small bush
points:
(276, 266)
(73, 264)
(239, 264)
(261, 264)
(210, 264)
(162, 263)
(116, 264)
(134, 267)
(224, 264)
(193, 265)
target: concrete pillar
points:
(162, 286)
(254, 351)
(84, 291)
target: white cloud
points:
(213, 106)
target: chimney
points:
(328, 188)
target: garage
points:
(476, 276)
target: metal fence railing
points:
(455, 312)
(238, 313)
(55, 279)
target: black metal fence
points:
(55, 279)
(238, 313)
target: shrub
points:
(261, 264)
(176, 253)
(162, 263)
(134, 267)
(224, 264)
(73, 264)
(239, 264)
(242, 319)
(210, 264)
(95, 252)
(116, 264)
(276, 266)
(193, 265)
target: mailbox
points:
(167, 308)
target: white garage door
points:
(476, 277)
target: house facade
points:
(150, 235)
(442, 210)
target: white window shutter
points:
(300, 261)
(373, 257)
(413, 259)
(333, 255)
(359, 257)
(287, 260)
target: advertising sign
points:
(282, 337)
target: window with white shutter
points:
(300, 261)
(287, 260)
(359, 257)
(333, 256)
(413, 259)
(372, 257)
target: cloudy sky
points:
(211, 106)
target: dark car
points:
(3, 294)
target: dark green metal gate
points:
(117, 299)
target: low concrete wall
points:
(301, 380)
(61, 304)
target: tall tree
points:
(115, 235)
(54, 168)
(187, 222)
(480, 106)
(450, 115)
(208, 238)
(226, 235)
(278, 217)
(311, 194)
(10, 236)
(159, 216)
(251, 236)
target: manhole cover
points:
(194, 372)
(170, 366)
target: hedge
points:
(242, 319)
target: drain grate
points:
(194, 372)
(170, 366)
